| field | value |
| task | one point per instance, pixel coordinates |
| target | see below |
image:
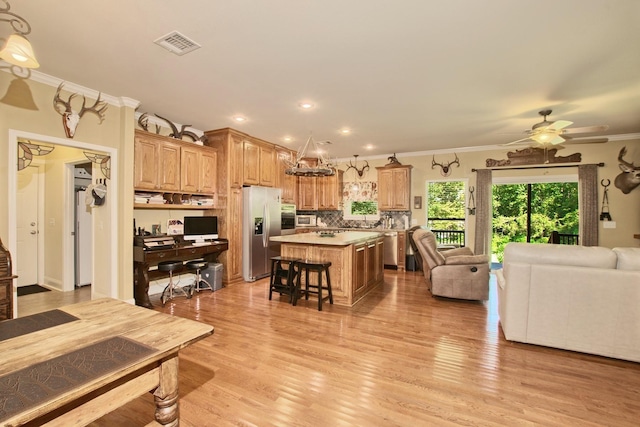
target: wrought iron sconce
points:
(355, 166)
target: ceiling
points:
(403, 76)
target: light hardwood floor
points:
(398, 358)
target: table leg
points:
(141, 285)
(166, 395)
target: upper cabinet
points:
(157, 163)
(330, 192)
(174, 168)
(287, 183)
(198, 170)
(394, 188)
(320, 193)
(259, 163)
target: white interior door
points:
(27, 227)
(84, 241)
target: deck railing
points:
(564, 238)
(448, 237)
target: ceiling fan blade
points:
(587, 141)
(588, 129)
(556, 140)
(559, 124)
(517, 141)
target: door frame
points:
(14, 135)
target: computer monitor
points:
(200, 228)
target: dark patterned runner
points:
(31, 386)
(25, 325)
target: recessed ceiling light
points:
(287, 139)
(345, 131)
(239, 119)
(306, 105)
(369, 147)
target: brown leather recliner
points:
(416, 254)
(454, 273)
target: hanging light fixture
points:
(300, 167)
(17, 50)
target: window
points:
(446, 211)
(360, 201)
(361, 210)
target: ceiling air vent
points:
(177, 43)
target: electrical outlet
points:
(609, 224)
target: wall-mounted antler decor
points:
(143, 121)
(360, 171)
(71, 118)
(629, 178)
(445, 170)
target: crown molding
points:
(83, 90)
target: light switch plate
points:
(609, 224)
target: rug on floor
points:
(31, 289)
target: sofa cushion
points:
(550, 254)
(628, 258)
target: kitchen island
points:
(356, 260)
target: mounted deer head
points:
(445, 170)
(70, 118)
(359, 171)
(629, 178)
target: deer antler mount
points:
(445, 169)
(360, 171)
(71, 118)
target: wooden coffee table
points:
(80, 367)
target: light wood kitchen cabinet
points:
(367, 266)
(198, 170)
(394, 188)
(330, 191)
(177, 170)
(287, 183)
(259, 164)
(234, 235)
(320, 193)
(307, 193)
(236, 162)
(156, 163)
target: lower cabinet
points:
(355, 269)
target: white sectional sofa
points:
(577, 298)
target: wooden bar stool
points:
(312, 266)
(196, 266)
(282, 279)
(172, 289)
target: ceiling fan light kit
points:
(547, 133)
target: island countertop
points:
(338, 239)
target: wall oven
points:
(288, 215)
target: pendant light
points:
(17, 50)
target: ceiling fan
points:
(549, 133)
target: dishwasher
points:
(391, 249)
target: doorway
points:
(105, 272)
(536, 211)
(29, 226)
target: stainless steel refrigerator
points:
(261, 220)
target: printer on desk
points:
(150, 243)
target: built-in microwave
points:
(305, 221)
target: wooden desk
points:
(144, 259)
(99, 320)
